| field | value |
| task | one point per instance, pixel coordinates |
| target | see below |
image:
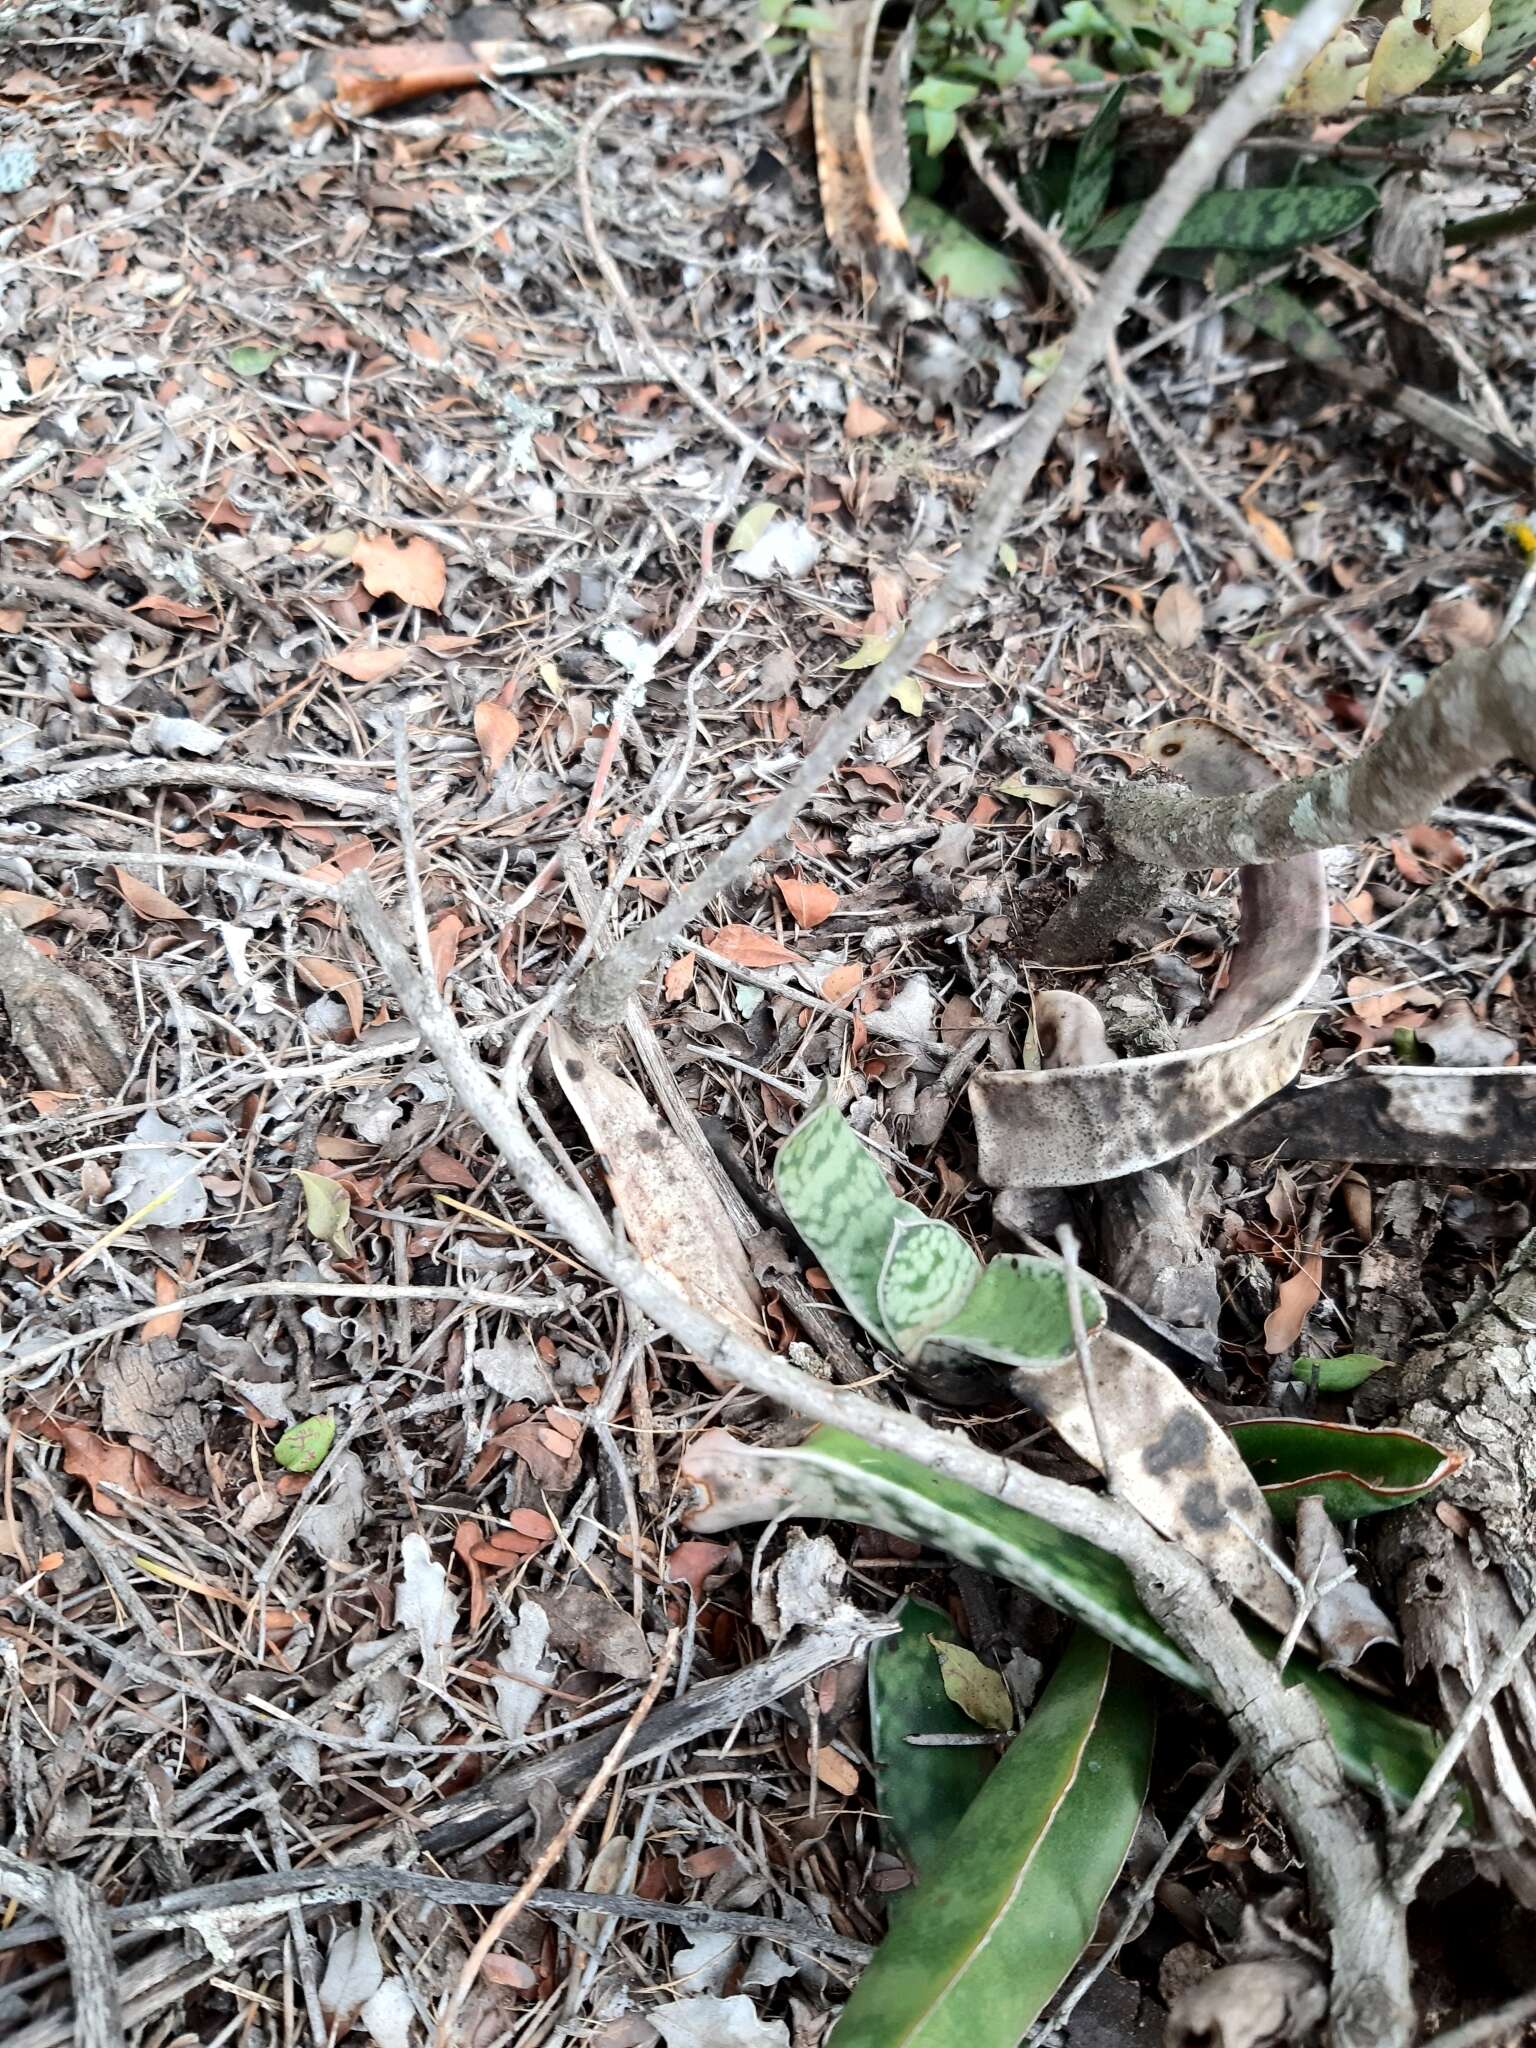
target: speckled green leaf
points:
(837, 1475)
(837, 1199)
(303, 1445)
(1017, 1314)
(928, 1274)
(923, 1790)
(1356, 1471)
(1092, 169)
(1509, 43)
(1014, 1898)
(1267, 220)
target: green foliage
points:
(1261, 221)
(833, 1473)
(1013, 1898)
(914, 1283)
(303, 1445)
(1092, 169)
(951, 256)
(1340, 1375)
(923, 1790)
(1356, 1471)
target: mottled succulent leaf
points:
(1016, 1314)
(1266, 220)
(1509, 43)
(1014, 1898)
(839, 1476)
(929, 1272)
(303, 1445)
(923, 1789)
(837, 1199)
(1092, 169)
(1354, 1471)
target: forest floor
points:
(302, 437)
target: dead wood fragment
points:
(1464, 1570)
(1405, 1116)
(66, 1032)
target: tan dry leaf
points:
(497, 731)
(808, 903)
(1295, 1299)
(14, 431)
(1177, 618)
(412, 570)
(862, 419)
(842, 982)
(1374, 1001)
(673, 1216)
(678, 979)
(1271, 533)
(363, 663)
(331, 978)
(443, 945)
(746, 946)
(26, 911)
(147, 902)
(167, 1293)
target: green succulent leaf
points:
(834, 1474)
(303, 1445)
(1014, 1898)
(837, 1199)
(251, 358)
(1339, 1375)
(951, 256)
(1017, 1314)
(1265, 220)
(923, 1790)
(929, 1273)
(1092, 170)
(1356, 1471)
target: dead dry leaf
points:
(26, 911)
(747, 946)
(1177, 618)
(678, 979)
(148, 903)
(497, 731)
(412, 570)
(365, 663)
(862, 419)
(672, 1214)
(1295, 1298)
(1271, 533)
(808, 903)
(331, 978)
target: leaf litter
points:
(274, 507)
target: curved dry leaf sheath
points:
(1069, 1126)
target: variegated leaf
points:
(929, 1273)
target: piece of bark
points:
(1150, 1247)
(1393, 1303)
(1464, 1569)
(63, 1029)
(1411, 1116)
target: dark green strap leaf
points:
(1092, 169)
(1355, 1471)
(923, 1789)
(1265, 220)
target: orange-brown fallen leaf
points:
(747, 946)
(808, 903)
(365, 664)
(497, 731)
(412, 570)
(107, 1469)
(1295, 1298)
(147, 902)
(331, 978)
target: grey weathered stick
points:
(100, 778)
(1280, 1729)
(609, 982)
(78, 1912)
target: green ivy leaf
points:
(1355, 1471)
(951, 256)
(950, 94)
(303, 1445)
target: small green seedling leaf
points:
(327, 1211)
(303, 1445)
(871, 651)
(924, 1788)
(1339, 1375)
(976, 1689)
(1355, 1471)
(751, 526)
(1264, 220)
(251, 358)
(1092, 170)
(928, 1274)
(1017, 1315)
(837, 1199)
(1014, 1898)
(951, 256)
